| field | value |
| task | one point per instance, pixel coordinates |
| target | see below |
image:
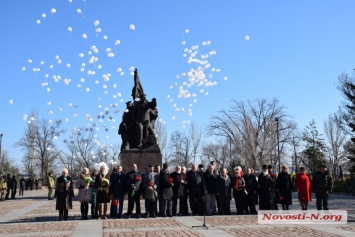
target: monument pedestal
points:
(141, 158)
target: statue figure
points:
(138, 120)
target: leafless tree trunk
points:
(160, 130)
(336, 139)
(195, 137)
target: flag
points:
(137, 90)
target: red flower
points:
(281, 199)
(170, 180)
(114, 202)
(138, 178)
(150, 184)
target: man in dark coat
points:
(165, 192)
(195, 189)
(251, 186)
(13, 187)
(210, 178)
(266, 190)
(8, 182)
(183, 207)
(223, 192)
(64, 192)
(176, 188)
(322, 185)
(150, 184)
(134, 179)
(118, 189)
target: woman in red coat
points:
(304, 189)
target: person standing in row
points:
(150, 184)
(64, 192)
(224, 186)
(8, 184)
(239, 193)
(84, 194)
(94, 206)
(210, 177)
(251, 186)
(195, 189)
(13, 187)
(176, 181)
(134, 179)
(165, 192)
(118, 189)
(322, 185)
(284, 188)
(22, 186)
(304, 188)
(266, 190)
(51, 186)
(102, 183)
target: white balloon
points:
(105, 37)
(23, 69)
(117, 42)
(48, 89)
(96, 23)
(11, 102)
(78, 10)
(44, 15)
(87, 89)
(70, 29)
(53, 10)
(187, 31)
(84, 36)
(38, 22)
(49, 103)
(98, 30)
(132, 27)
(247, 37)
(60, 109)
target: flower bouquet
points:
(152, 192)
(88, 180)
(280, 200)
(171, 181)
(105, 182)
(137, 179)
(114, 202)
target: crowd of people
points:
(9, 186)
(168, 194)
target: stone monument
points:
(139, 143)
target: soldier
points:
(3, 187)
(51, 186)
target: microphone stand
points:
(204, 203)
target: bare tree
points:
(251, 127)
(6, 163)
(195, 137)
(336, 140)
(81, 146)
(39, 141)
(160, 130)
(218, 152)
(180, 146)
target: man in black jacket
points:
(118, 189)
(211, 185)
(251, 186)
(134, 179)
(165, 192)
(195, 189)
(177, 183)
(322, 185)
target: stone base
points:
(141, 159)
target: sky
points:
(72, 60)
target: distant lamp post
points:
(0, 144)
(278, 142)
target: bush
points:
(340, 186)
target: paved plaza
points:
(34, 215)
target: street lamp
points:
(0, 144)
(278, 142)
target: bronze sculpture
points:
(138, 120)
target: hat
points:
(269, 166)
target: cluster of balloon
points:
(197, 79)
(103, 90)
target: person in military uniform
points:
(322, 185)
(3, 187)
